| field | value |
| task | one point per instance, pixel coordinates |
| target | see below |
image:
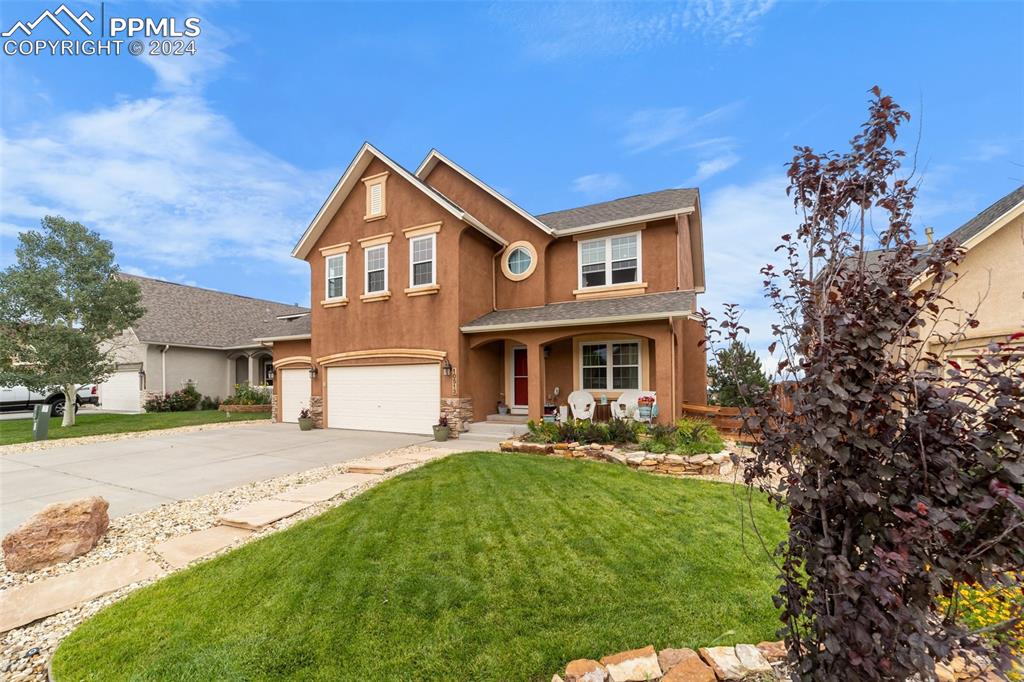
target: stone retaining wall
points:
(766, 661)
(717, 464)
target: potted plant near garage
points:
(441, 429)
(305, 420)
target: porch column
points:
(535, 371)
(664, 382)
(251, 382)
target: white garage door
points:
(400, 398)
(295, 388)
(122, 392)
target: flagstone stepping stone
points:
(262, 513)
(324, 490)
(183, 550)
(22, 605)
(752, 659)
(381, 465)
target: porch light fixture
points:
(312, 372)
(446, 367)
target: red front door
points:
(520, 382)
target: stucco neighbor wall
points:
(991, 280)
(207, 369)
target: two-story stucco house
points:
(434, 294)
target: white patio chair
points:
(626, 407)
(582, 404)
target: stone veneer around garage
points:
(459, 412)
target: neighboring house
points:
(434, 294)
(199, 336)
(990, 282)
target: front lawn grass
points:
(482, 566)
(20, 430)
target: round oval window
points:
(519, 260)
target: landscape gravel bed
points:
(25, 651)
(33, 446)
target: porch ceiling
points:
(572, 313)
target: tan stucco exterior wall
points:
(991, 281)
(207, 369)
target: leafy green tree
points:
(62, 309)
(737, 377)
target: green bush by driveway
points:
(20, 430)
(482, 566)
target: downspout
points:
(494, 278)
(672, 366)
(163, 368)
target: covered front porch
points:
(529, 369)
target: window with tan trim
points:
(609, 261)
(376, 258)
(336, 266)
(610, 366)
(422, 261)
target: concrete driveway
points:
(139, 473)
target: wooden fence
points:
(726, 419)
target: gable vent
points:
(376, 199)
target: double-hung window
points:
(376, 269)
(610, 260)
(422, 263)
(336, 276)
(610, 366)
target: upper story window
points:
(610, 260)
(422, 264)
(376, 269)
(336, 266)
(376, 196)
(519, 261)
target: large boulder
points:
(58, 533)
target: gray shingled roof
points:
(578, 312)
(621, 209)
(189, 316)
(988, 216)
(963, 233)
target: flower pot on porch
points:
(441, 433)
(305, 424)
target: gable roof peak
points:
(434, 157)
(348, 181)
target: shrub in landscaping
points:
(697, 437)
(208, 403)
(182, 400)
(248, 395)
(901, 468)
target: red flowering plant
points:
(900, 468)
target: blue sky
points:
(205, 169)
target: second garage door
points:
(295, 391)
(399, 398)
(122, 391)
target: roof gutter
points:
(624, 221)
(577, 322)
(294, 337)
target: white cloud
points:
(167, 179)
(676, 128)
(709, 167)
(553, 31)
(598, 184)
(742, 227)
